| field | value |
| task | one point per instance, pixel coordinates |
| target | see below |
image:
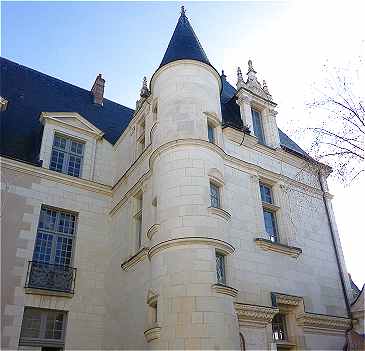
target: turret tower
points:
(195, 304)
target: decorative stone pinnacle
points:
(144, 90)
(250, 67)
(266, 89)
(240, 82)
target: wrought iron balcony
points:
(52, 277)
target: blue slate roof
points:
(231, 117)
(30, 92)
(184, 44)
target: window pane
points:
(57, 159)
(265, 192)
(257, 126)
(221, 274)
(66, 223)
(214, 196)
(31, 325)
(63, 251)
(270, 225)
(210, 134)
(74, 166)
(54, 325)
(43, 248)
(76, 147)
(47, 219)
(59, 142)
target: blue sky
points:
(288, 42)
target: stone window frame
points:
(42, 340)
(221, 258)
(137, 220)
(67, 153)
(140, 136)
(260, 111)
(214, 122)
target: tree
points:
(338, 126)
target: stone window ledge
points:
(271, 207)
(225, 289)
(138, 257)
(268, 245)
(45, 292)
(220, 212)
(152, 333)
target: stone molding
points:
(47, 174)
(323, 322)
(268, 245)
(3, 104)
(254, 313)
(152, 298)
(57, 118)
(225, 289)
(213, 118)
(44, 292)
(152, 231)
(221, 245)
(132, 261)
(184, 61)
(220, 212)
(152, 333)
(283, 299)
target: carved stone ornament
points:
(317, 321)
(284, 299)
(254, 313)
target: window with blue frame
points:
(257, 126)
(269, 213)
(221, 268)
(67, 156)
(55, 237)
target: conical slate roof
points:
(184, 44)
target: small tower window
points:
(221, 268)
(215, 200)
(257, 126)
(211, 138)
(138, 219)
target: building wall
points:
(115, 280)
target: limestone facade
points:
(160, 291)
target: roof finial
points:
(240, 81)
(183, 12)
(144, 90)
(223, 75)
(250, 67)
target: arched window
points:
(242, 342)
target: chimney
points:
(97, 90)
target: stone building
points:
(191, 222)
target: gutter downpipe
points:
(348, 308)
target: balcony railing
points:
(52, 277)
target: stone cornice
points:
(152, 333)
(221, 245)
(318, 321)
(254, 313)
(45, 173)
(225, 289)
(132, 261)
(268, 245)
(284, 299)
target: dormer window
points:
(67, 155)
(257, 125)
